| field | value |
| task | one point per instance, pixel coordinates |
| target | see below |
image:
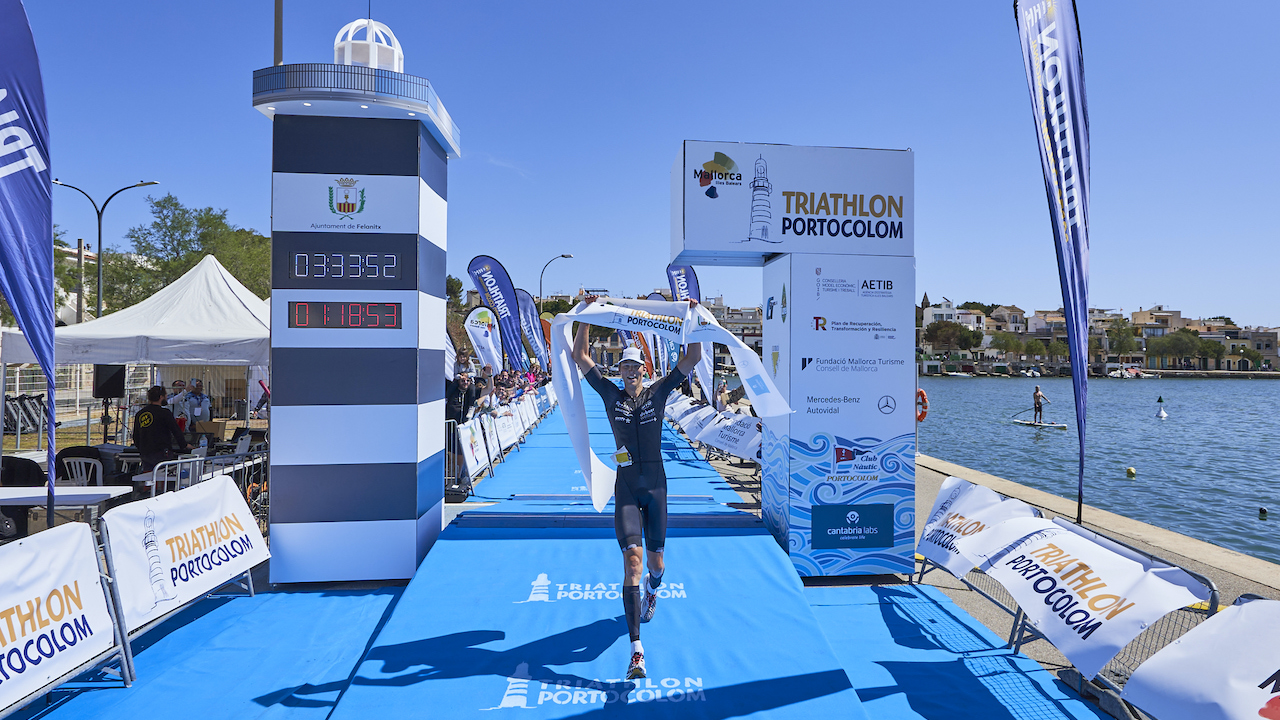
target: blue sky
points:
(572, 113)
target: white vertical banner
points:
(1225, 668)
(55, 613)
(175, 547)
(964, 510)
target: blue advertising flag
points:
(657, 343)
(684, 282)
(684, 286)
(494, 285)
(26, 195)
(1050, 36)
(531, 326)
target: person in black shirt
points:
(461, 394)
(640, 490)
(155, 431)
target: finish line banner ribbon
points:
(674, 321)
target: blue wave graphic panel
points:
(815, 467)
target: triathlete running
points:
(640, 490)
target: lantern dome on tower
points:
(369, 43)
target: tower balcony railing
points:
(353, 80)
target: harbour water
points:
(1204, 471)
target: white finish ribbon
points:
(675, 321)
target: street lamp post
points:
(100, 211)
(541, 302)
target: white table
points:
(76, 495)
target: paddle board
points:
(1029, 423)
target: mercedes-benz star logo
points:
(887, 405)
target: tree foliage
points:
(1034, 347)
(949, 335)
(1057, 349)
(453, 290)
(1120, 337)
(1007, 343)
(173, 242)
(984, 309)
(1211, 349)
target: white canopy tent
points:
(205, 317)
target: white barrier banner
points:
(694, 421)
(505, 423)
(471, 443)
(175, 547)
(678, 406)
(1088, 600)
(56, 616)
(733, 433)
(965, 510)
(686, 414)
(1225, 668)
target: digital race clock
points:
(307, 261)
(333, 315)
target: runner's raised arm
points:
(692, 353)
(581, 341)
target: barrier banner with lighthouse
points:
(834, 230)
(175, 547)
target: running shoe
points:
(650, 603)
(636, 670)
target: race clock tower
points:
(360, 155)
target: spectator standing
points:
(155, 432)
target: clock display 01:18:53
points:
(334, 315)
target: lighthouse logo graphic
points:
(517, 694)
(761, 207)
(540, 592)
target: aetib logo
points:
(541, 590)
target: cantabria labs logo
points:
(345, 206)
(852, 517)
(542, 590)
(720, 170)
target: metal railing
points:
(325, 77)
(250, 471)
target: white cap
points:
(631, 354)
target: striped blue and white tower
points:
(359, 189)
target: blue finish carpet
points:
(912, 654)
(517, 607)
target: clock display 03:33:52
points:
(339, 265)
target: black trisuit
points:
(640, 491)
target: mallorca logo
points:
(720, 170)
(346, 207)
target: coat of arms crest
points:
(345, 205)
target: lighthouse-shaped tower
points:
(360, 155)
(761, 208)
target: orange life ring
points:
(922, 404)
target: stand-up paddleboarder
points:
(640, 491)
(1038, 397)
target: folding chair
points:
(81, 470)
